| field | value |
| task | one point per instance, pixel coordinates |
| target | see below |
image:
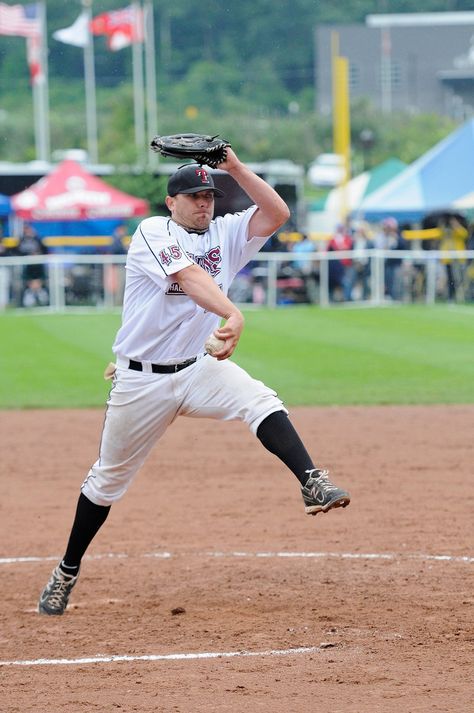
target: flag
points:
(34, 48)
(29, 21)
(122, 27)
(76, 34)
(20, 20)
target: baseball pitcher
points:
(178, 272)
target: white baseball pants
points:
(141, 406)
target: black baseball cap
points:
(192, 178)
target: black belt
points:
(161, 368)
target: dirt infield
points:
(217, 593)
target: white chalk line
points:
(213, 554)
(390, 556)
(162, 657)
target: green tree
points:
(247, 65)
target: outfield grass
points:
(395, 355)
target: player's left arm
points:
(272, 211)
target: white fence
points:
(373, 277)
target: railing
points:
(372, 277)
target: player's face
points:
(193, 210)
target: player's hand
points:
(229, 332)
(231, 162)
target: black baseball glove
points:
(209, 150)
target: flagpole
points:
(138, 92)
(36, 120)
(152, 114)
(41, 95)
(90, 89)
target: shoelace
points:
(323, 481)
(59, 588)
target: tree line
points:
(215, 61)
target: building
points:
(417, 62)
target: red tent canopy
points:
(70, 193)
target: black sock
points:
(87, 522)
(279, 436)
(71, 570)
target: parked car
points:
(327, 170)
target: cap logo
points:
(203, 175)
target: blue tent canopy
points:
(5, 208)
(436, 181)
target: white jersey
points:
(160, 323)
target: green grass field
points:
(394, 355)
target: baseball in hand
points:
(213, 344)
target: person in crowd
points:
(470, 264)
(362, 241)
(114, 278)
(5, 272)
(305, 245)
(390, 238)
(305, 268)
(454, 236)
(35, 292)
(118, 244)
(341, 272)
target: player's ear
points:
(169, 201)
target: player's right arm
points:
(272, 211)
(201, 288)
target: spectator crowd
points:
(346, 272)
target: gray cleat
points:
(55, 595)
(320, 495)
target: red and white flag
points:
(121, 27)
(20, 20)
(34, 47)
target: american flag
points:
(20, 20)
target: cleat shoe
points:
(55, 595)
(320, 495)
